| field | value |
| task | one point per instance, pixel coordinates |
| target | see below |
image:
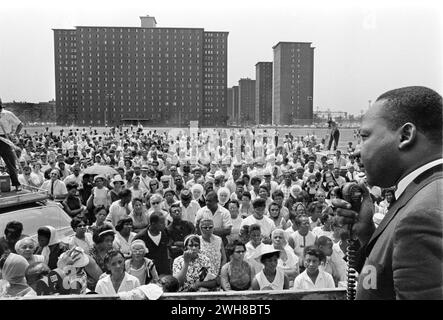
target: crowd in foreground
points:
(217, 210)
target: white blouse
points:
(104, 286)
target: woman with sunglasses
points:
(157, 205)
(193, 270)
(212, 245)
(237, 274)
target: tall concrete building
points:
(293, 83)
(263, 93)
(246, 98)
(158, 76)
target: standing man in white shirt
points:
(219, 215)
(189, 206)
(9, 121)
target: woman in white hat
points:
(271, 277)
(117, 185)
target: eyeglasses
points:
(155, 203)
(81, 226)
(239, 251)
(207, 228)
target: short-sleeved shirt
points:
(221, 217)
(105, 287)
(303, 282)
(9, 121)
(189, 213)
(266, 224)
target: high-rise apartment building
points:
(293, 83)
(263, 93)
(158, 76)
(246, 98)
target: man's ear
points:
(408, 135)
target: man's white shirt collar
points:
(403, 183)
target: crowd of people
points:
(204, 211)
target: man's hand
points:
(363, 226)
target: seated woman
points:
(139, 266)
(212, 245)
(13, 268)
(287, 261)
(117, 280)
(313, 277)
(271, 277)
(72, 203)
(124, 237)
(117, 184)
(197, 194)
(81, 238)
(139, 215)
(50, 246)
(237, 274)
(193, 270)
(156, 205)
(100, 214)
(26, 248)
(276, 215)
(253, 247)
(223, 197)
(325, 229)
(136, 190)
(103, 238)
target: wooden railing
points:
(318, 294)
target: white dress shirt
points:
(403, 183)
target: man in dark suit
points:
(401, 146)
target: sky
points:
(362, 48)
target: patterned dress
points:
(196, 269)
(212, 251)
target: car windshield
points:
(34, 218)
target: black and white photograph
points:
(202, 153)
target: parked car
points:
(35, 217)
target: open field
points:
(346, 134)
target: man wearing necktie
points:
(401, 146)
(55, 187)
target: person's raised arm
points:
(181, 275)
